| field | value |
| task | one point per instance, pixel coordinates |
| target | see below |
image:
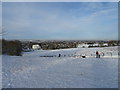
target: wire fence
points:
(83, 55)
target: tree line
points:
(16, 47)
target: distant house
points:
(36, 47)
(96, 45)
(83, 45)
(105, 44)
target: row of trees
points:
(57, 45)
(50, 45)
(16, 47)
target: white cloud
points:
(58, 24)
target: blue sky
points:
(60, 20)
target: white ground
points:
(67, 71)
(0, 72)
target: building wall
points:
(82, 46)
(36, 47)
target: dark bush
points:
(0, 47)
(12, 47)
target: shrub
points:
(12, 47)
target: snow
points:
(44, 69)
(0, 72)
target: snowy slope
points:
(38, 69)
(0, 71)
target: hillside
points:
(44, 69)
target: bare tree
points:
(2, 30)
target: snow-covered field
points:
(0, 72)
(44, 69)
